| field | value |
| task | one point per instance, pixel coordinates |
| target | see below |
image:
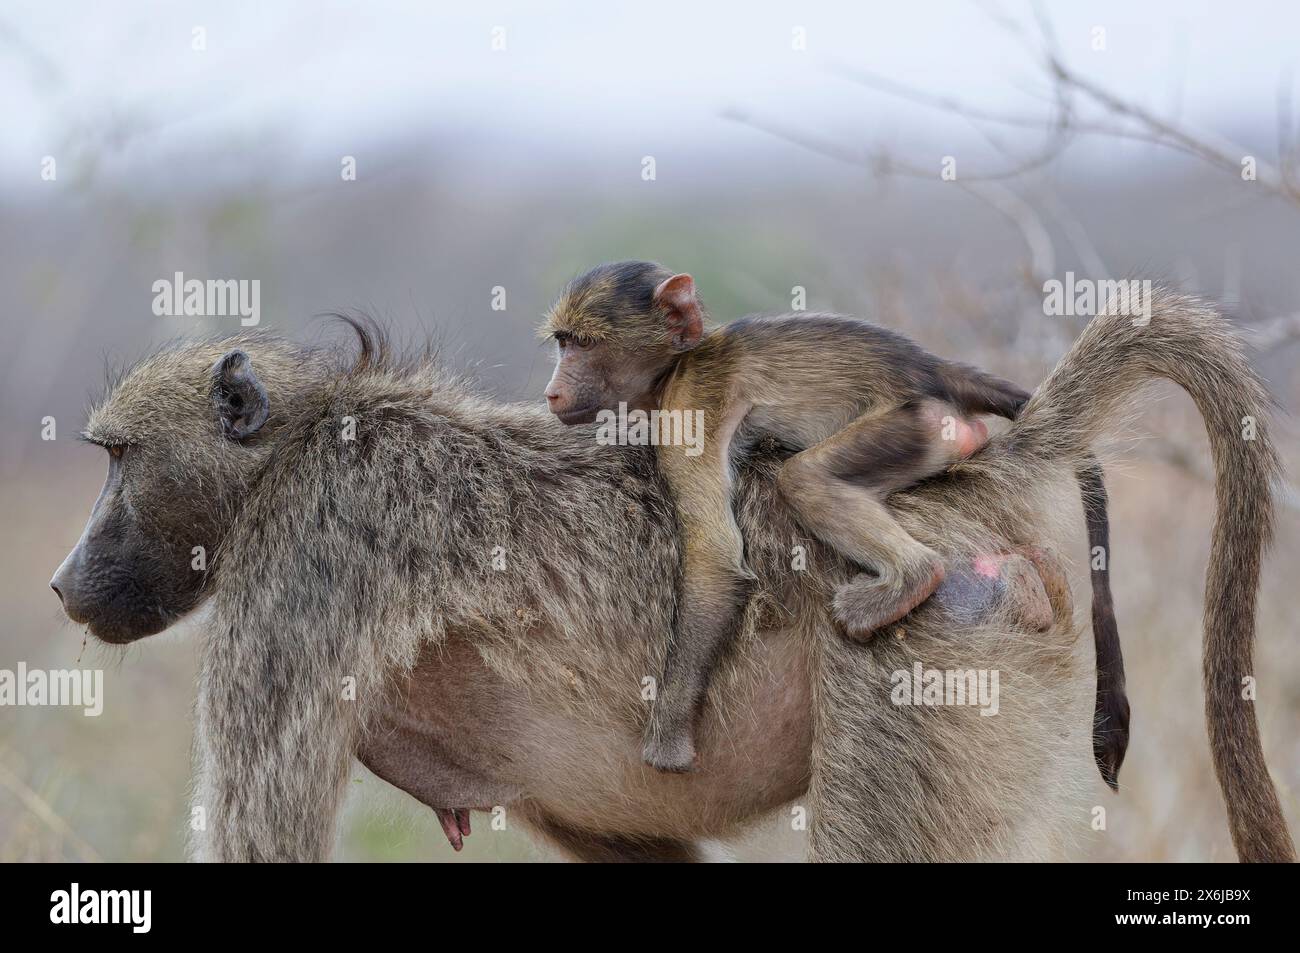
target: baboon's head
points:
(618, 329)
(184, 431)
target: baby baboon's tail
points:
(977, 392)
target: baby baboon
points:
(363, 520)
(870, 411)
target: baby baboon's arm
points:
(714, 585)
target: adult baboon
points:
(362, 521)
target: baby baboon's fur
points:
(516, 582)
(863, 404)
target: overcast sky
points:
(585, 76)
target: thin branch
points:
(948, 104)
(1001, 199)
(1211, 148)
(1286, 145)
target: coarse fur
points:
(358, 588)
(868, 411)
(1188, 342)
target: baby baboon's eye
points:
(116, 450)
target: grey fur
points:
(372, 559)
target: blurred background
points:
(761, 146)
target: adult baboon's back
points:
(546, 566)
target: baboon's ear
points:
(676, 295)
(238, 396)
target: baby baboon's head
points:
(618, 329)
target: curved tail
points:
(1191, 344)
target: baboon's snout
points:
(67, 586)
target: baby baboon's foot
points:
(867, 603)
(455, 824)
(959, 436)
(671, 754)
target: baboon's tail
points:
(1191, 344)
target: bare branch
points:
(1286, 145)
(1001, 199)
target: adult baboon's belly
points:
(466, 737)
(754, 756)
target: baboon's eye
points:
(116, 450)
(564, 339)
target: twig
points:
(987, 189)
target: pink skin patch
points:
(989, 565)
(971, 435)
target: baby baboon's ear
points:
(238, 396)
(676, 296)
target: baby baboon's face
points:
(618, 329)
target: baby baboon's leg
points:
(714, 588)
(838, 488)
